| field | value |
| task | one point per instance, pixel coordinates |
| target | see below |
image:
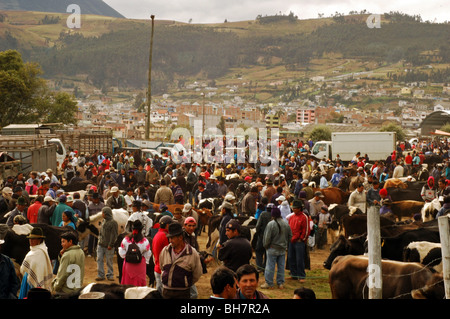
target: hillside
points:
(265, 53)
(97, 7)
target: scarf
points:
(38, 266)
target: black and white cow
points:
(424, 252)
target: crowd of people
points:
(291, 216)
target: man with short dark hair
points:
(70, 274)
(223, 283)
(299, 225)
(248, 276)
(248, 207)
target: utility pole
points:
(149, 90)
(444, 234)
(375, 281)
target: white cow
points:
(120, 216)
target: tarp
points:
(439, 132)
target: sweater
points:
(277, 235)
(71, 264)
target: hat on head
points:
(69, 199)
(114, 189)
(48, 199)
(281, 198)
(229, 197)
(305, 181)
(248, 178)
(233, 224)
(162, 207)
(302, 194)
(275, 212)
(7, 190)
(226, 205)
(318, 194)
(147, 203)
(36, 232)
(190, 220)
(269, 182)
(175, 229)
(165, 220)
(383, 192)
(187, 207)
(297, 204)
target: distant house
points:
(405, 91)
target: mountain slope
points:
(97, 7)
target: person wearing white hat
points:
(6, 202)
(283, 206)
(116, 200)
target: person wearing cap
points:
(316, 203)
(189, 212)
(9, 282)
(46, 210)
(358, 198)
(180, 265)
(237, 250)
(283, 206)
(324, 220)
(36, 268)
(105, 249)
(70, 275)
(299, 224)
(159, 241)
(135, 273)
(116, 200)
(20, 209)
(62, 206)
(276, 238)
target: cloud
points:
(216, 11)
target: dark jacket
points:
(9, 283)
(236, 252)
(109, 230)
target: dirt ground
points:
(316, 277)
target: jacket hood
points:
(430, 179)
(108, 212)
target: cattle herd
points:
(410, 238)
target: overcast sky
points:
(216, 11)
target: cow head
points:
(434, 289)
(339, 248)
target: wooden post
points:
(444, 232)
(149, 89)
(374, 280)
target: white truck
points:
(377, 145)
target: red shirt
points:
(32, 212)
(408, 159)
(159, 242)
(299, 227)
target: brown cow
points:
(356, 225)
(349, 278)
(204, 215)
(171, 207)
(434, 289)
(394, 182)
(406, 208)
(333, 195)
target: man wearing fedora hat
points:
(316, 203)
(116, 200)
(20, 209)
(180, 265)
(36, 267)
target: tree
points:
(392, 127)
(25, 97)
(321, 133)
(221, 125)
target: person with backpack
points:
(136, 252)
